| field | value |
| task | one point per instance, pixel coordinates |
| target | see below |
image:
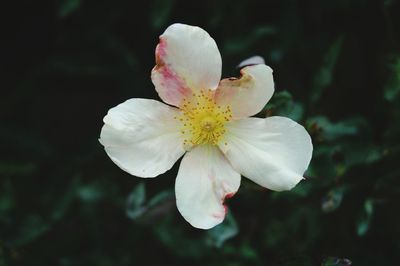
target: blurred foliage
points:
(65, 63)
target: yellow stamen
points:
(203, 121)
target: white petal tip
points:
(254, 60)
(289, 186)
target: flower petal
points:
(248, 94)
(187, 60)
(254, 60)
(204, 179)
(142, 137)
(273, 152)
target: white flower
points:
(210, 122)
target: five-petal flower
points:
(209, 120)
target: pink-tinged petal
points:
(248, 94)
(273, 152)
(142, 137)
(204, 180)
(187, 59)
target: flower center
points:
(208, 124)
(203, 121)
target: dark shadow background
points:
(65, 63)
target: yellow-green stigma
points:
(203, 121)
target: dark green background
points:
(66, 62)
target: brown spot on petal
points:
(224, 94)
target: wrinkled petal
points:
(254, 60)
(187, 60)
(250, 93)
(142, 137)
(273, 152)
(204, 180)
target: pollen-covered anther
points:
(202, 119)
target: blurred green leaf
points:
(333, 261)
(135, 201)
(67, 7)
(303, 189)
(392, 89)
(160, 13)
(148, 212)
(33, 227)
(62, 206)
(328, 130)
(301, 221)
(91, 192)
(325, 73)
(248, 252)
(365, 217)
(282, 104)
(361, 153)
(159, 206)
(223, 232)
(333, 199)
(196, 243)
(178, 241)
(160, 197)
